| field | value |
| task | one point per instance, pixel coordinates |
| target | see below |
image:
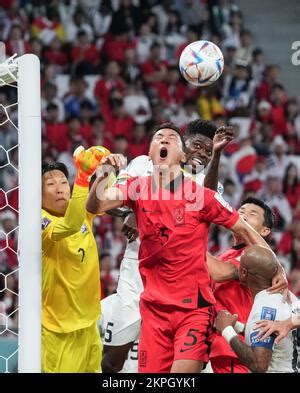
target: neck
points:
(53, 213)
(258, 285)
(164, 174)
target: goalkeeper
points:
(70, 267)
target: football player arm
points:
(74, 217)
(243, 230)
(223, 136)
(219, 270)
(257, 357)
(101, 199)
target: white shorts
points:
(121, 320)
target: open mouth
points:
(163, 152)
(197, 161)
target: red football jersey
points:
(173, 234)
(233, 297)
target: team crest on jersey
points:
(45, 222)
(83, 229)
(268, 313)
(179, 217)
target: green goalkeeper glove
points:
(86, 163)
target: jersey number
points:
(194, 338)
(83, 253)
(163, 234)
(108, 332)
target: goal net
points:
(20, 194)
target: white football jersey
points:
(109, 305)
(273, 307)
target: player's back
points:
(273, 307)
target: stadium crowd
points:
(110, 73)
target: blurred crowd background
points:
(110, 73)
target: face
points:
(199, 151)
(254, 216)
(166, 148)
(55, 192)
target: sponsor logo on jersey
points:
(256, 342)
(45, 222)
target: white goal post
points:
(29, 118)
(25, 71)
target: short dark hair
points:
(59, 166)
(269, 216)
(200, 126)
(172, 127)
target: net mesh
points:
(8, 216)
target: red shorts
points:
(170, 333)
(228, 365)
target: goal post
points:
(29, 119)
(20, 163)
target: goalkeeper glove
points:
(86, 163)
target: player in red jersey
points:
(232, 295)
(173, 215)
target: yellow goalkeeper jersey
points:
(70, 268)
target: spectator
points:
(291, 185)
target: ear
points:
(265, 231)
(183, 158)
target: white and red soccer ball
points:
(201, 63)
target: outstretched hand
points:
(223, 136)
(87, 161)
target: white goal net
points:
(20, 164)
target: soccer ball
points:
(201, 63)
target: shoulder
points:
(140, 166)
(270, 305)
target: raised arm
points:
(220, 270)
(101, 197)
(223, 136)
(86, 162)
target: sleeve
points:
(215, 209)
(262, 311)
(71, 223)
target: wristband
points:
(229, 333)
(239, 327)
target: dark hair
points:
(269, 217)
(59, 166)
(200, 126)
(285, 179)
(172, 127)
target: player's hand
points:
(130, 228)
(117, 161)
(280, 284)
(86, 162)
(223, 136)
(267, 327)
(223, 319)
